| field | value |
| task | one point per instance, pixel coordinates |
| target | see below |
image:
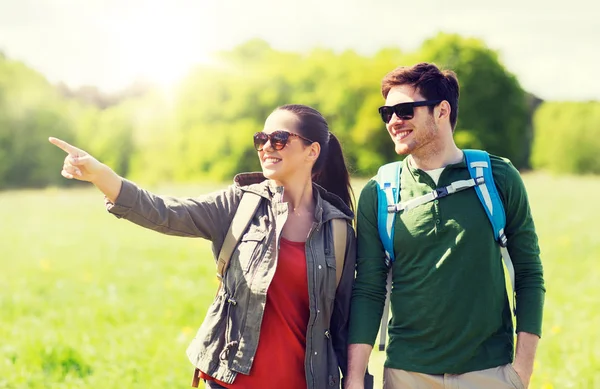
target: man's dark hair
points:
(429, 81)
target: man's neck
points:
(436, 159)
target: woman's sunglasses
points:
(277, 138)
(404, 111)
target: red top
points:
(279, 359)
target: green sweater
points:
(450, 312)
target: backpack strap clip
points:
(438, 193)
(502, 239)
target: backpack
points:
(243, 215)
(482, 180)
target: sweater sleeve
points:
(368, 295)
(524, 252)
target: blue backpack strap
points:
(388, 192)
(479, 165)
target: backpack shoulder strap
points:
(243, 215)
(340, 236)
(388, 193)
(479, 165)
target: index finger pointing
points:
(67, 148)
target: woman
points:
(279, 319)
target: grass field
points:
(88, 301)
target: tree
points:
(30, 111)
(493, 112)
(567, 137)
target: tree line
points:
(202, 130)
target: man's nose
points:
(395, 119)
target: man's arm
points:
(368, 295)
(529, 279)
(524, 252)
(358, 359)
(526, 347)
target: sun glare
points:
(158, 43)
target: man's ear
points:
(443, 110)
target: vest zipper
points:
(316, 300)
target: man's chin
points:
(402, 149)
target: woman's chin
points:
(269, 173)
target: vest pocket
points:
(250, 248)
(330, 277)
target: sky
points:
(554, 50)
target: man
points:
(451, 323)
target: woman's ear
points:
(313, 152)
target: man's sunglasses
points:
(404, 111)
(277, 138)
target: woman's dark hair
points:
(330, 170)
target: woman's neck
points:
(299, 196)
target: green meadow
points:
(90, 301)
